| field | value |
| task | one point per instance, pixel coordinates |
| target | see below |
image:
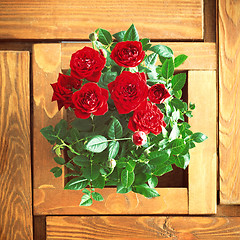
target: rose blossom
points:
(62, 90)
(90, 99)
(129, 91)
(128, 54)
(147, 120)
(158, 93)
(139, 138)
(87, 63)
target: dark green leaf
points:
(49, 134)
(91, 172)
(158, 157)
(99, 182)
(178, 81)
(198, 137)
(122, 189)
(113, 149)
(81, 160)
(151, 60)
(82, 124)
(127, 178)
(106, 78)
(61, 129)
(115, 129)
(97, 196)
(76, 183)
(162, 169)
(162, 50)
(86, 201)
(70, 166)
(119, 36)
(68, 72)
(59, 160)
(153, 181)
(180, 59)
(97, 144)
(177, 103)
(192, 106)
(104, 36)
(131, 34)
(146, 191)
(178, 94)
(168, 68)
(140, 178)
(130, 165)
(57, 171)
(176, 146)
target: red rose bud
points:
(139, 138)
(128, 54)
(62, 90)
(129, 91)
(87, 63)
(147, 120)
(158, 93)
(90, 99)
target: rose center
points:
(90, 99)
(129, 53)
(85, 63)
(129, 90)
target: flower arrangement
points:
(130, 123)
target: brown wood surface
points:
(210, 10)
(229, 101)
(137, 228)
(66, 202)
(39, 227)
(46, 64)
(15, 157)
(203, 164)
(74, 19)
(201, 56)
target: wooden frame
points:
(198, 198)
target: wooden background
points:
(24, 23)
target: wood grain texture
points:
(39, 227)
(138, 228)
(201, 56)
(15, 157)
(66, 202)
(210, 10)
(74, 19)
(203, 163)
(228, 210)
(229, 100)
(46, 64)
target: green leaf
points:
(106, 78)
(198, 137)
(91, 172)
(119, 36)
(145, 44)
(153, 181)
(61, 129)
(168, 68)
(99, 182)
(158, 157)
(70, 166)
(81, 160)
(189, 114)
(182, 161)
(49, 134)
(175, 132)
(104, 36)
(86, 201)
(162, 51)
(68, 72)
(178, 81)
(59, 160)
(84, 125)
(163, 169)
(176, 146)
(127, 178)
(76, 183)
(151, 60)
(178, 94)
(113, 149)
(131, 34)
(177, 103)
(130, 165)
(86, 191)
(115, 129)
(57, 171)
(122, 189)
(146, 191)
(192, 106)
(140, 178)
(97, 196)
(180, 59)
(97, 144)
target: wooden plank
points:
(49, 19)
(201, 56)
(15, 157)
(210, 20)
(203, 163)
(39, 227)
(46, 64)
(229, 100)
(16, 46)
(228, 210)
(66, 202)
(138, 228)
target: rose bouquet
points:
(129, 125)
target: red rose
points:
(87, 63)
(158, 93)
(147, 120)
(62, 90)
(128, 54)
(139, 138)
(128, 91)
(90, 99)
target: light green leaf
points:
(76, 183)
(131, 34)
(178, 81)
(122, 189)
(86, 201)
(168, 68)
(115, 129)
(127, 178)
(177, 103)
(153, 181)
(146, 191)
(104, 36)
(180, 59)
(162, 51)
(119, 36)
(113, 149)
(198, 137)
(158, 157)
(175, 132)
(151, 60)
(97, 144)
(176, 146)
(97, 196)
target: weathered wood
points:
(39, 227)
(66, 202)
(15, 157)
(16, 46)
(228, 210)
(229, 101)
(201, 56)
(46, 64)
(210, 10)
(49, 19)
(203, 163)
(137, 228)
